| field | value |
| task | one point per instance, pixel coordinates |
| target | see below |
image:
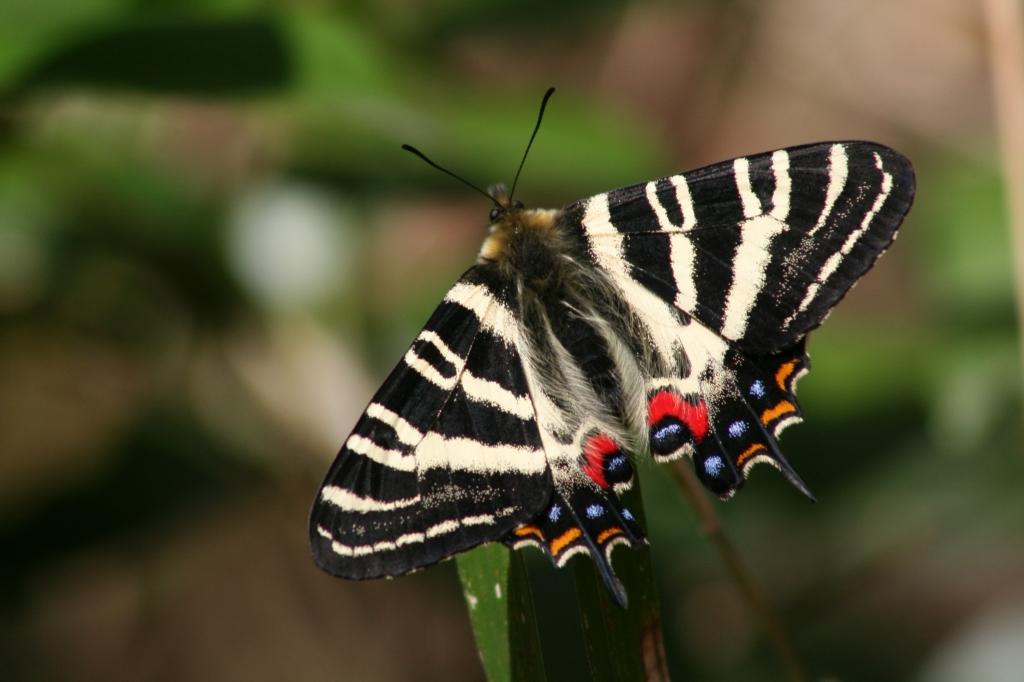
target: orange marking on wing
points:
(784, 373)
(750, 452)
(773, 413)
(559, 543)
(609, 533)
(523, 531)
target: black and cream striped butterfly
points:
(666, 317)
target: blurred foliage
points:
(212, 249)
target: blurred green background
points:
(212, 250)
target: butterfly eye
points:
(496, 214)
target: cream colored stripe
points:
(389, 458)
(442, 528)
(838, 170)
(783, 185)
(433, 338)
(349, 501)
(683, 258)
(492, 393)
(651, 190)
(388, 545)
(492, 315)
(407, 433)
(685, 201)
(464, 454)
(748, 267)
(428, 371)
(741, 173)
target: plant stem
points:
(748, 587)
(623, 645)
(1006, 55)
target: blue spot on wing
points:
(737, 428)
(757, 389)
(594, 510)
(554, 513)
(714, 465)
(667, 430)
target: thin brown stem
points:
(748, 587)
(1006, 55)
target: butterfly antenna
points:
(540, 117)
(412, 150)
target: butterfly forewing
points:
(758, 249)
(447, 454)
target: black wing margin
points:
(447, 455)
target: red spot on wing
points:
(596, 451)
(664, 403)
(670, 404)
(696, 417)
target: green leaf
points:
(497, 592)
(225, 56)
(622, 644)
(33, 28)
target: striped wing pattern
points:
(755, 252)
(447, 454)
(758, 249)
(667, 317)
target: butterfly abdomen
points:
(587, 351)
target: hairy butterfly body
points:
(666, 317)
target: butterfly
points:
(668, 317)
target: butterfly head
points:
(503, 203)
(514, 229)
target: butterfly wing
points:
(758, 249)
(448, 453)
(730, 266)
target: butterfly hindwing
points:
(585, 515)
(750, 416)
(446, 456)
